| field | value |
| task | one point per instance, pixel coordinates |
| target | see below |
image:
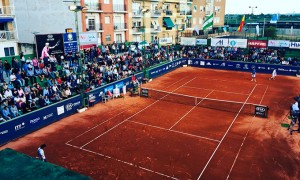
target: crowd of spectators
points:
(28, 84)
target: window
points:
(201, 8)
(118, 37)
(216, 19)
(200, 20)
(107, 38)
(9, 51)
(91, 24)
(107, 20)
(137, 24)
(106, 1)
(217, 9)
(195, 8)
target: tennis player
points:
(274, 74)
(253, 74)
(41, 153)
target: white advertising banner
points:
(219, 42)
(278, 43)
(188, 41)
(88, 38)
(241, 43)
(167, 40)
(294, 45)
(201, 41)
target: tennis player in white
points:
(274, 74)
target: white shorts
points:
(253, 75)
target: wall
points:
(43, 16)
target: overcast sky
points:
(263, 6)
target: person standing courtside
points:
(253, 74)
(41, 153)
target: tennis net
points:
(222, 105)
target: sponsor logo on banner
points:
(257, 43)
(294, 45)
(92, 97)
(245, 66)
(219, 42)
(278, 43)
(60, 110)
(237, 66)
(47, 116)
(261, 67)
(201, 41)
(188, 41)
(208, 64)
(165, 40)
(281, 69)
(88, 38)
(33, 121)
(4, 132)
(242, 43)
(202, 63)
(223, 64)
(20, 126)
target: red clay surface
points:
(140, 138)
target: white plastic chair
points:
(116, 92)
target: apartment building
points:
(8, 35)
(165, 20)
(109, 18)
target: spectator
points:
(7, 68)
(14, 111)
(6, 114)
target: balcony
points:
(188, 13)
(6, 11)
(120, 26)
(94, 7)
(189, 1)
(8, 36)
(137, 14)
(137, 30)
(155, 13)
(168, 12)
(120, 8)
(156, 29)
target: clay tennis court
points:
(148, 138)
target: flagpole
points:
(263, 33)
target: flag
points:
(196, 29)
(257, 30)
(240, 28)
(274, 19)
(208, 23)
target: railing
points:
(137, 13)
(155, 13)
(137, 30)
(168, 12)
(8, 35)
(189, 1)
(119, 7)
(158, 28)
(94, 6)
(7, 11)
(188, 12)
(120, 26)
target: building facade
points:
(164, 20)
(8, 30)
(109, 18)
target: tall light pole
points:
(252, 12)
(78, 8)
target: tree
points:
(270, 32)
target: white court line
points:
(225, 134)
(226, 80)
(250, 127)
(190, 110)
(214, 90)
(132, 116)
(111, 118)
(179, 132)
(125, 162)
(95, 126)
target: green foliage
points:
(270, 32)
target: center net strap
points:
(222, 105)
